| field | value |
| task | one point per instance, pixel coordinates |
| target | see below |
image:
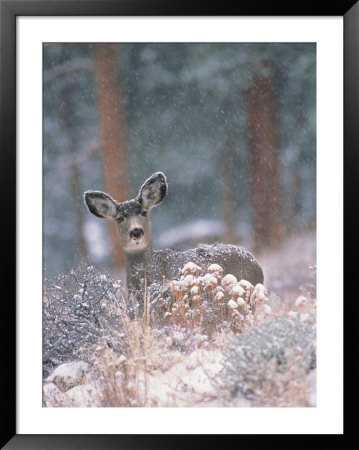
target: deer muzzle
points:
(136, 234)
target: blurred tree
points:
(263, 138)
(66, 111)
(189, 111)
(113, 135)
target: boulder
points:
(69, 375)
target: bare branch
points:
(67, 68)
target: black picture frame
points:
(9, 10)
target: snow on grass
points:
(208, 341)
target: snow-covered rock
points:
(68, 375)
(52, 395)
(84, 396)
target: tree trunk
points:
(113, 135)
(67, 113)
(264, 154)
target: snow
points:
(97, 239)
(301, 300)
(197, 231)
(232, 304)
(187, 383)
(69, 374)
(186, 374)
(229, 280)
(84, 396)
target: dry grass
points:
(206, 340)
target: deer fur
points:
(132, 218)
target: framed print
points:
(179, 178)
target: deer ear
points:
(153, 191)
(100, 204)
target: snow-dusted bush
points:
(213, 303)
(83, 306)
(270, 363)
(267, 357)
(79, 308)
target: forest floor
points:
(272, 363)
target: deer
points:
(142, 262)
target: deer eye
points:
(144, 213)
(120, 219)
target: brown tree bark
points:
(113, 134)
(263, 138)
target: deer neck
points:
(136, 266)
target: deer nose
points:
(136, 233)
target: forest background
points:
(233, 127)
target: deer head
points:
(132, 216)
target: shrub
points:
(83, 306)
(79, 308)
(269, 364)
(212, 303)
(266, 357)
